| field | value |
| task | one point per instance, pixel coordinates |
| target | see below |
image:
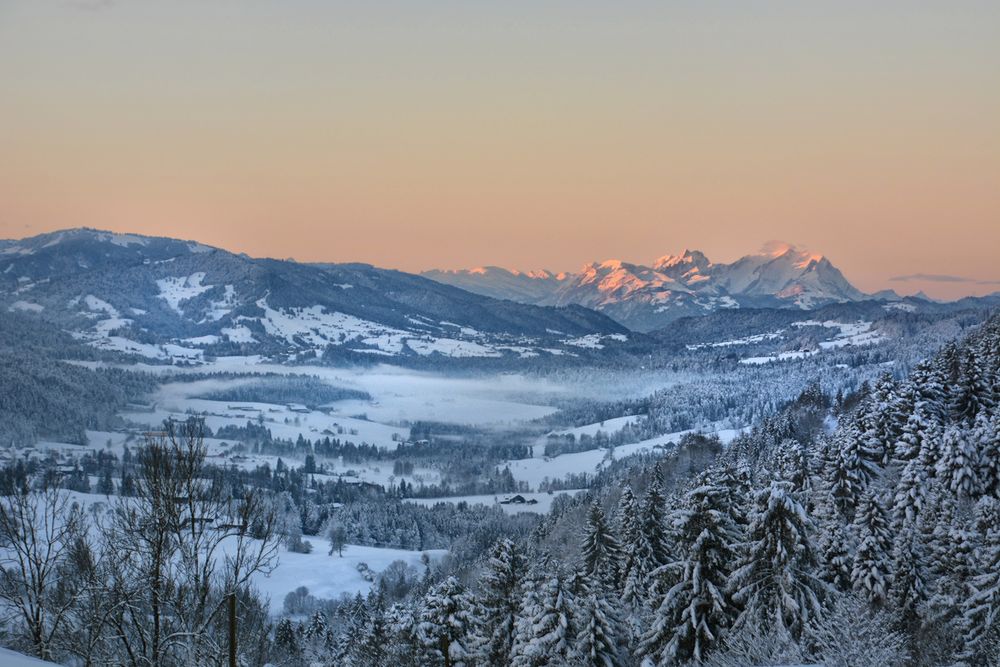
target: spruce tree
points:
(982, 608)
(546, 625)
(696, 610)
(600, 635)
(909, 588)
(870, 575)
(446, 625)
(629, 531)
(959, 465)
(776, 583)
(600, 550)
(652, 549)
(500, 594)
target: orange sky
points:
(525, 134)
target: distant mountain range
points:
(170, 300)
(645, 298)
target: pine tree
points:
(600, 550)
(629, 531)
(286, 640)
(970, 391)
(986, 436)
(600, 633)
(776, 582)
(846, 474)
(370, 648)
(835, 552)
(911, 493)
(695, 611)
(909, 588)
(871, 573)
(913, 433)
(651, 551)
(928, 383)
(982, 608)
(446, 625)
(500, 592)
(546, 629)
(959, 465)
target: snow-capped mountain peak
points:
(645, 297)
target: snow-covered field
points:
(534, 470)
(403, 395)
(608, 426)
(330, 576)
(10, 658)
(848, 334)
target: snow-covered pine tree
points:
(446, 625)
(689, 621)
(600, 636)
(793, 465)
(959, 465)
(928, 384)
(986, 435)
(600, 550)
(776, 583)
(911, 491)
(500, 599)
(982, 607)
(851, 633)
(909, 590)
(834, 547)
(652, 548)
(970, 391)
(286, 640)
(628, 531)
(841, 466)
(914, 431)
(546, 628)
(370, 648)
(872, 569)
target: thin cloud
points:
(941, 278)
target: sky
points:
(524, 134)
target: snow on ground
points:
(26, 306)
(10, 658)
(905, 307)
(239, 334)
(177, 400)
(748, 340)
(330, 576)
(542, 504)
(450, 347)
(173, 290)
(781, 356)
(534, 471)
(403, 395)
(608, 426)
(851, 333)
(593, 341)
(848, 334)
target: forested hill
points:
(44, 395)
(864, 531)
(164, 300)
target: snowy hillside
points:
(180, 301)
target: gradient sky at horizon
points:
(525, 134)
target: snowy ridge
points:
(646, 297)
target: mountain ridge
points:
(173, 300)
(645, 298)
